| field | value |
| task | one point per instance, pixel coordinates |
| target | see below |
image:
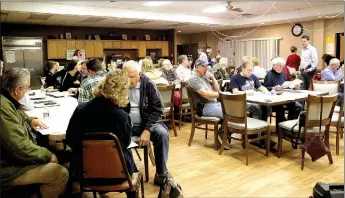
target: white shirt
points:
(259, 72)
(309, 57)
(183, 73)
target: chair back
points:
(184, 94)
(332, 87)
(191, 102)
(234, 107)
(167, 93)
(320, 110)
(103, 158)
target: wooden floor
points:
(202, 172)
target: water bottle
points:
(45, 113)
(43, 92)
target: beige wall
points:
(325, 28)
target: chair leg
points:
(337, 142)
(146, 164)
(179, 124)
(191, 134)
(246, 145)
(216, 136)
(243, 142)
(94, 194)
(136, 150)
(206, 131)
(172, 121)
(142, 187)
(225, 137)
(152, 157)
(268, 141)
(302, 164)
(280, 141)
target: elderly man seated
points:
(245, 82)
(334, 73)
(24, 162)
(145, 110)
(274, 81)
(205, 89)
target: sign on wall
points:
(69, 54)
(330, 45)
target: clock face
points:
(297, 30)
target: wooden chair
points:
(104, 166)
(319, 111)
(199, 120)
(338, 122)
(167, 93)
(332, 87)
(236, 121)
(147, 153)
(185, 108)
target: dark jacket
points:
(273, 79)
(99, 115)
(68, 80)
(19, 150)
(50, 79)
(151, 106)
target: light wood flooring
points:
(202, 172)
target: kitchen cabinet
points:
(165, 48)
(89, 49)
(98, 49)
(142, 49)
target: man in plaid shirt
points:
(96, 74)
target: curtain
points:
(264, 50)
(226, 48)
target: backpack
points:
(170, 189)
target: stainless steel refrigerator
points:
(24, 52)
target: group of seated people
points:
(127, 103)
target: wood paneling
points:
(80, 45)
(142, 49)
(98, 49)
(158, 44)
(70, 45)
(134, 44)
(116, 44)
(89, 49)
(150, 44)
(165, 48)
(107, 44)
(126, 45)
(52, 49)
(61, 49)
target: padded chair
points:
(185, 109)
(318, 118)
(167, 93)
(332, 87)
(236, 121)
(199, 120)
(338, 122)
(104, 166)
(147, 153)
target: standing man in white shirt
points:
(182, 71)
(309, 62)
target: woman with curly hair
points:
(104, 113)
(153, 73)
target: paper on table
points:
(225, 81)
(132, 145)
(10, 56)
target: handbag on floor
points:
(316, 147)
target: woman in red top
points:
(293, 60)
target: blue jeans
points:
(160, 140)
(340, 99)
(213, 109)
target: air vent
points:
(178, 24)
(39, 16)
(93, 19)
(139, 22)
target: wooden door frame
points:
(337, 44)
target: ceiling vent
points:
(93, 19)
(39, 16)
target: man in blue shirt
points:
(334, 73)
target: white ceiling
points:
(186, 16)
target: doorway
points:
(339, 50)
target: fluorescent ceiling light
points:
(216, 9)
(156, 3)
(179, 31)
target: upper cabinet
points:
(94, 48)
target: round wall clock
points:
(297, 29)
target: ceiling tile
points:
(33, 21)
(17, 17)
(93, 19)
(39, 16)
